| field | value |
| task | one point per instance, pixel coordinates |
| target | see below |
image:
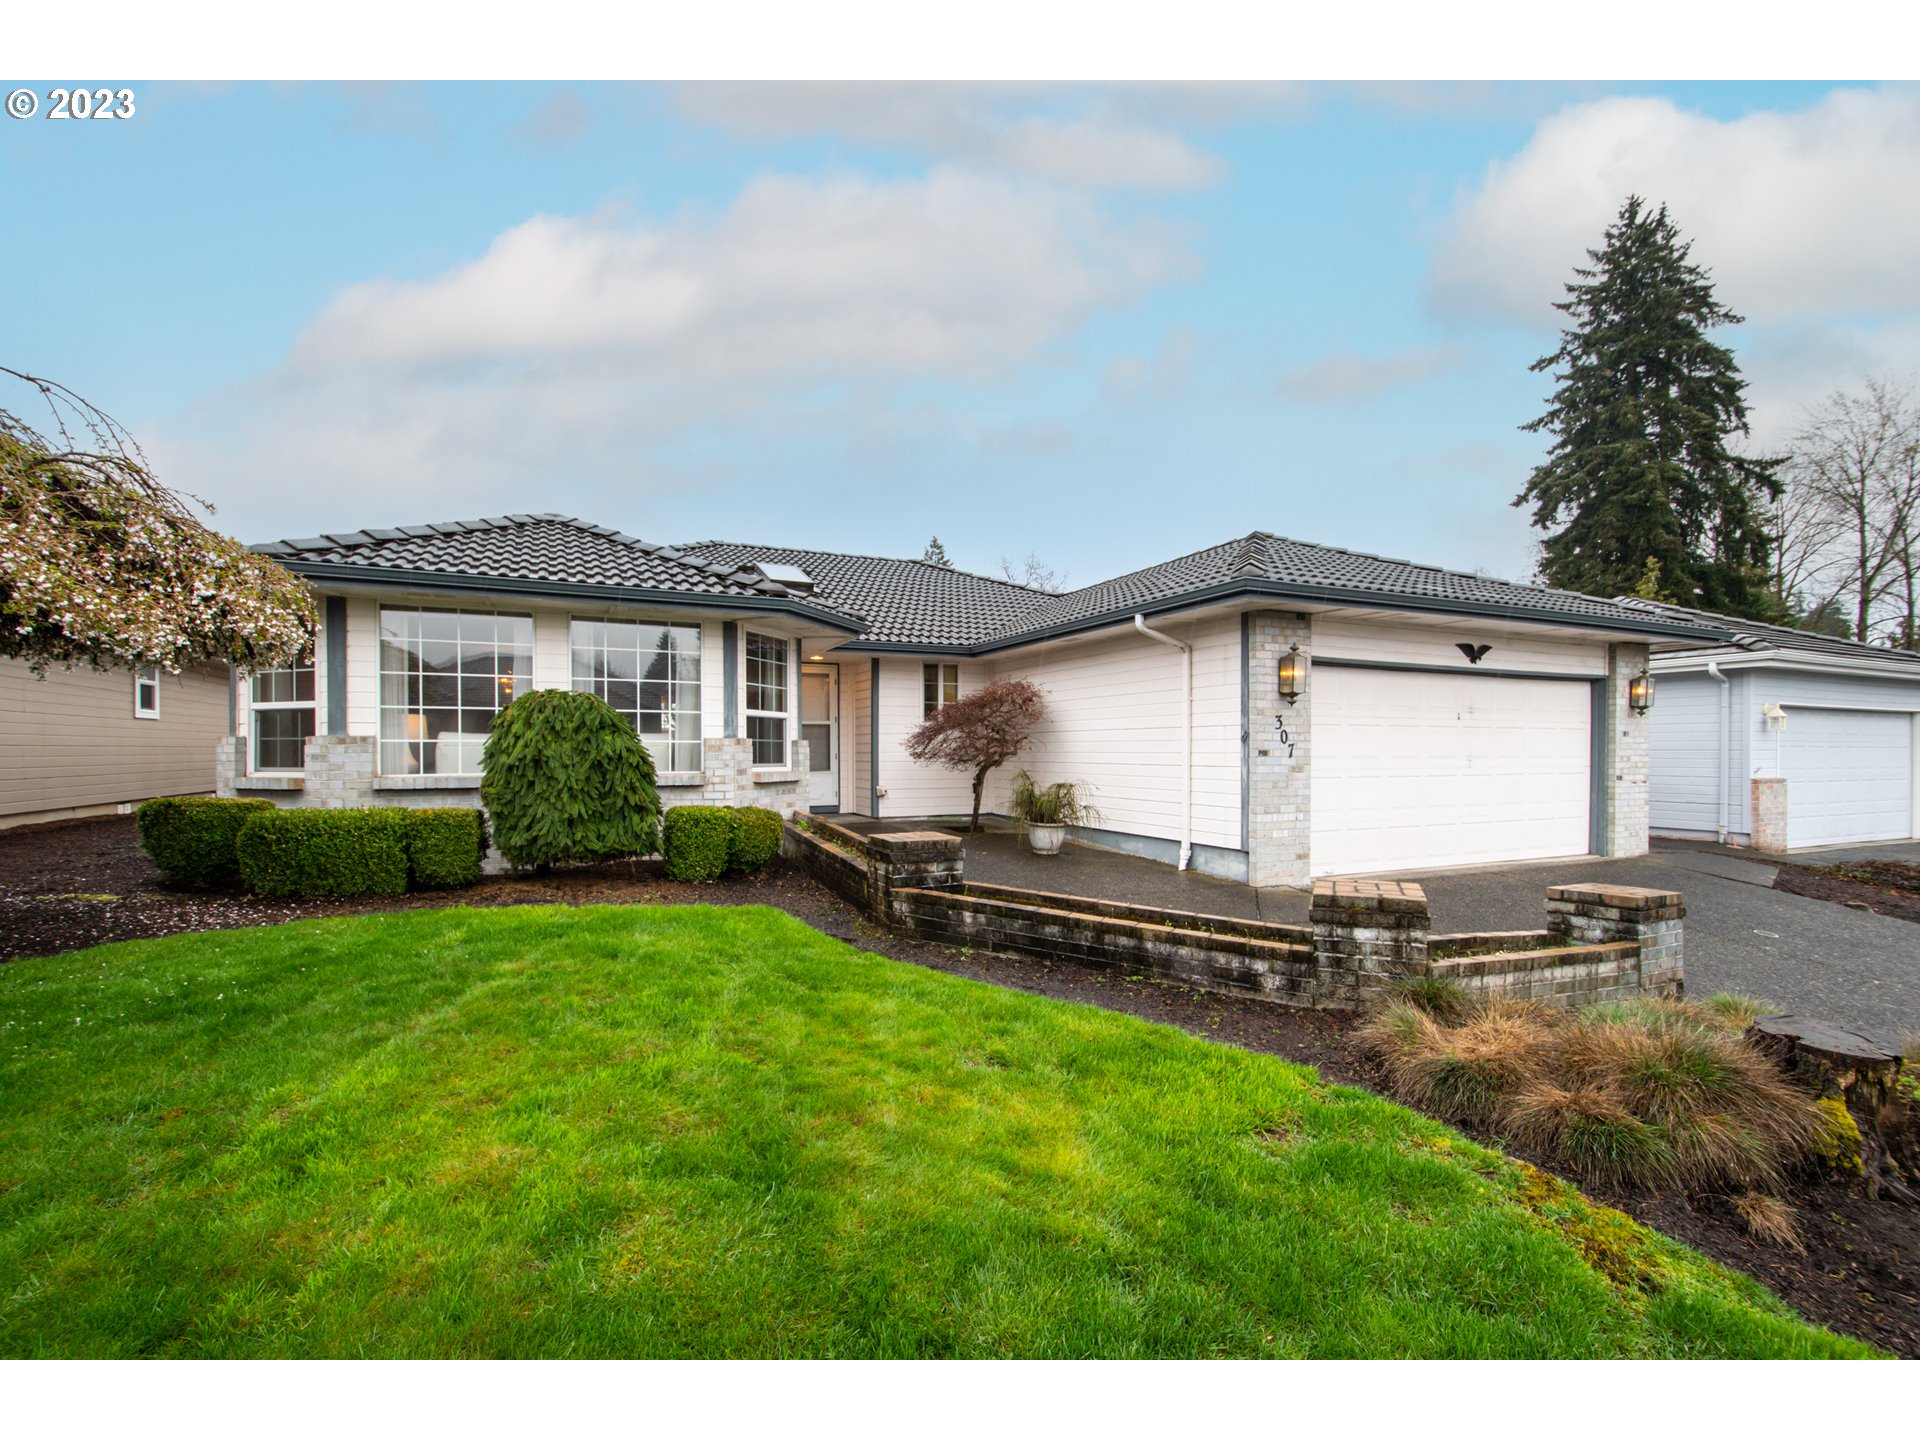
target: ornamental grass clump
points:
(568, 781)
(1644, 1092)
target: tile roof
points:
(1275, 565)
(905, 602)
(1756, 636)
(546, 549)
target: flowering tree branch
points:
(102, 565)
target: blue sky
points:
(1102, 324)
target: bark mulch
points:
(85, 882)
(1887, 887)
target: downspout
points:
(1726, 692)
(1186, 713)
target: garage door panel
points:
(1413, 769)
(1849, 776)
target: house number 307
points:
(1284, 738)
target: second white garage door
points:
(1849, 775)
(1414, 768)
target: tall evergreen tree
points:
(936, 554)
(1640, 481)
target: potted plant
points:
(1045, 811)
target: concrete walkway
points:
(1809, 956)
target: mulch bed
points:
(86, 882)
(1887, 887)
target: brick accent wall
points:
(1279, 754)
(1770, 814)
(1649, 919)
(1626, 782)
(1366, 934)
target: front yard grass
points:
(698, 1131)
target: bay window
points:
(280, 715)
(767, 681)
(650, 673)
(444, 675)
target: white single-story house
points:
(1784, 739)
(98, 742)
(1264, 710)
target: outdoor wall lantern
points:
(1640, 692)
(1293, 674)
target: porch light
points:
(1293, 674)
(1640, 692)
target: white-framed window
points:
(767, 667)
(444, 675)
(146, 692)
(939, 685)
(280, 715)
(650, 673)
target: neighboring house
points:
(1783, 739)
(1435, 718)
(93, 742)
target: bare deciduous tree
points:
(982, 729)
(1857, 476)
(1035, 574)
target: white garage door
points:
(1849, 776)
(1411, 768)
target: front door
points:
(820, 728)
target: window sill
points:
(426, 782)
(270, 782)
(783, 776)
(679, 778)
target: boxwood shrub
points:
(567, 778)
(191, 837)
(754, 840)
(697, 841)
(445, 846)
(326, 852)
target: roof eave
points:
(1784, 658)
(393, 579)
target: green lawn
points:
(716, 1132)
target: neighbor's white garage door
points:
(1412, 768)
(1849, 776)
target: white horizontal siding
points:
(1410, 642)
(1114, 723)
(913, 788)
(856, 715)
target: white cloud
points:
(578, 351)
(1346, 375)
(1794, 214)
(1095, 144)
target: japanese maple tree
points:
(982, 729)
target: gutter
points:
(1186, 712)
(1726, 701)
(1866, 665)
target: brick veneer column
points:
(1624, 830)
(1770, 813)
(1598, 914)
(1365, 934)
(1279, 754)
(913, 859)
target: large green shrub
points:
(753, 840)
(325, 852)
(191, 837)
(697, 841)
(445, 846)
(568, 779)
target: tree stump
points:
(1836, 1063)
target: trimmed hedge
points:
(191, 837)
(697, 840)
(326, 852)
(567, 778)
(445, 846)
(755, 839)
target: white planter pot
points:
(1046, 839)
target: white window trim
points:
(380, 674)
(146, 675)
(254, 707)
(942, 666)
(789, 694)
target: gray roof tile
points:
(1754, 635)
